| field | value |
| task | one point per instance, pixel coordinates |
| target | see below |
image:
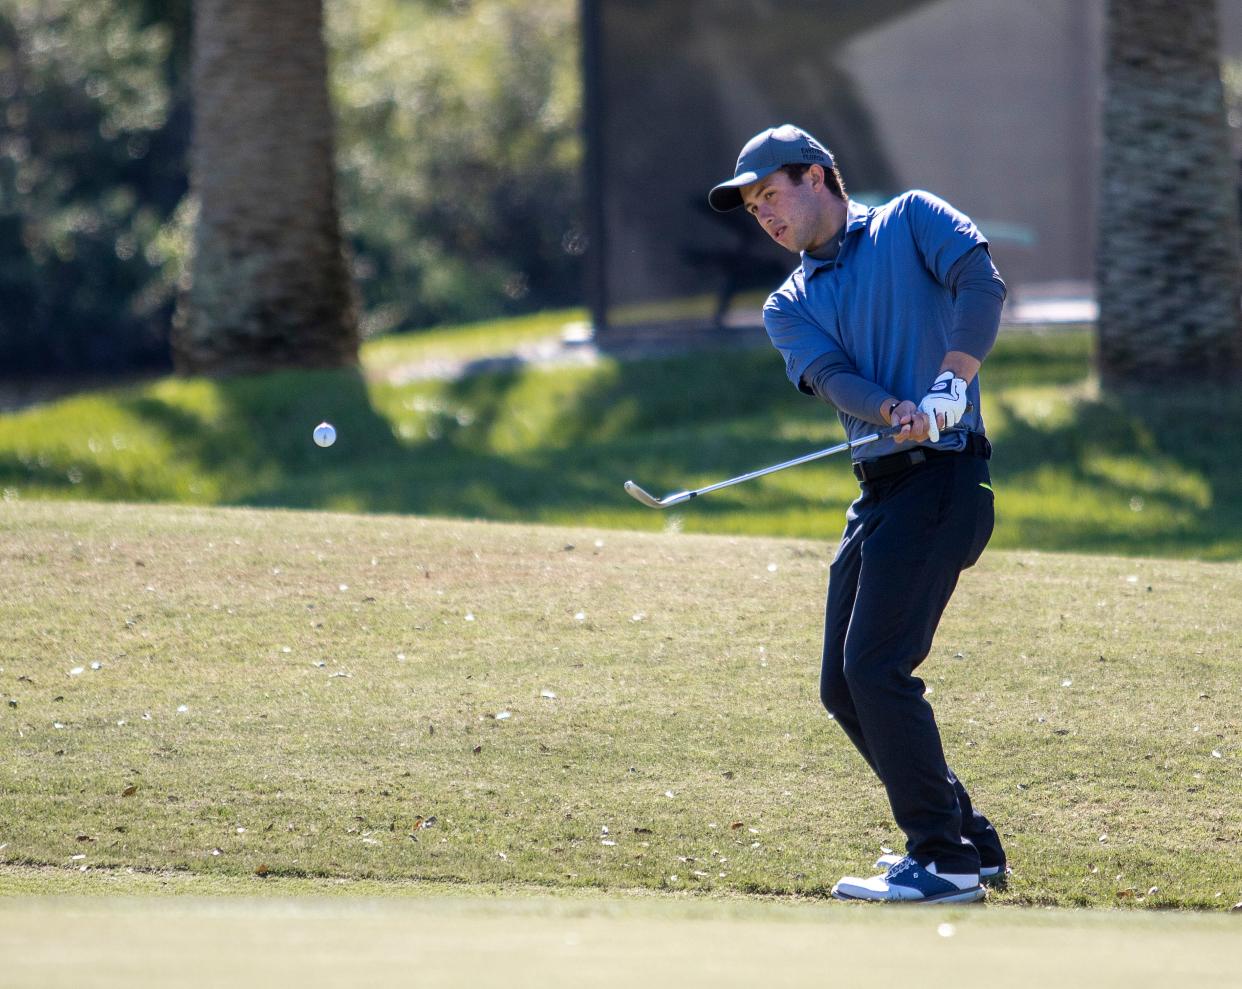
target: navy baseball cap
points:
(764, 154)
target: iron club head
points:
(638, 494)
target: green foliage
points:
(92, 151)
(458, 148)
(1073, 470)
(458, 153)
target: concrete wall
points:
(992, 104)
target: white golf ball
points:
(325, 434)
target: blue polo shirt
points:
(882, 304)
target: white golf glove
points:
(946, 396)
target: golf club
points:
(678, 497)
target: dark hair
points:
(832, 177)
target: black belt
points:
(977, 445)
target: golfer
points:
(888, 317)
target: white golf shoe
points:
(906, 881)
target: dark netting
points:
(680, 88)
(991, 106)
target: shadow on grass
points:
(556, 446)
(1146, 455)
(241, 435)
(616, 425)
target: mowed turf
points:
(244, 694)
(597, 942)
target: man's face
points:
(792, 215)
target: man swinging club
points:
(888, 317)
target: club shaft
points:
(680, 497)
(804, 459)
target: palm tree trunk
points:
(270, 283)
(1168, 269)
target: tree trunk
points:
(270, 285)
(1168, 270)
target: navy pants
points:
(907, 539)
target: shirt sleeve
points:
(978, 295)
(941, 233)
(833, 378)
(799, 341)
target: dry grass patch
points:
(225, 692)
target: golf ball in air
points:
(325, 434)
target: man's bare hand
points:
(914, 424)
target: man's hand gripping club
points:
(942, 408)
(944, 404)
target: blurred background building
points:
(992, 106)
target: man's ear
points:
(816, 175)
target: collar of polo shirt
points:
(856, 218)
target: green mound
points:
(1148, 475)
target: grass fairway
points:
(600, 943)
(232, 694)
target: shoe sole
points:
(956, 896)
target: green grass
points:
(598, 942)
(394, 351)
(1074, 470)
(343, 677)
